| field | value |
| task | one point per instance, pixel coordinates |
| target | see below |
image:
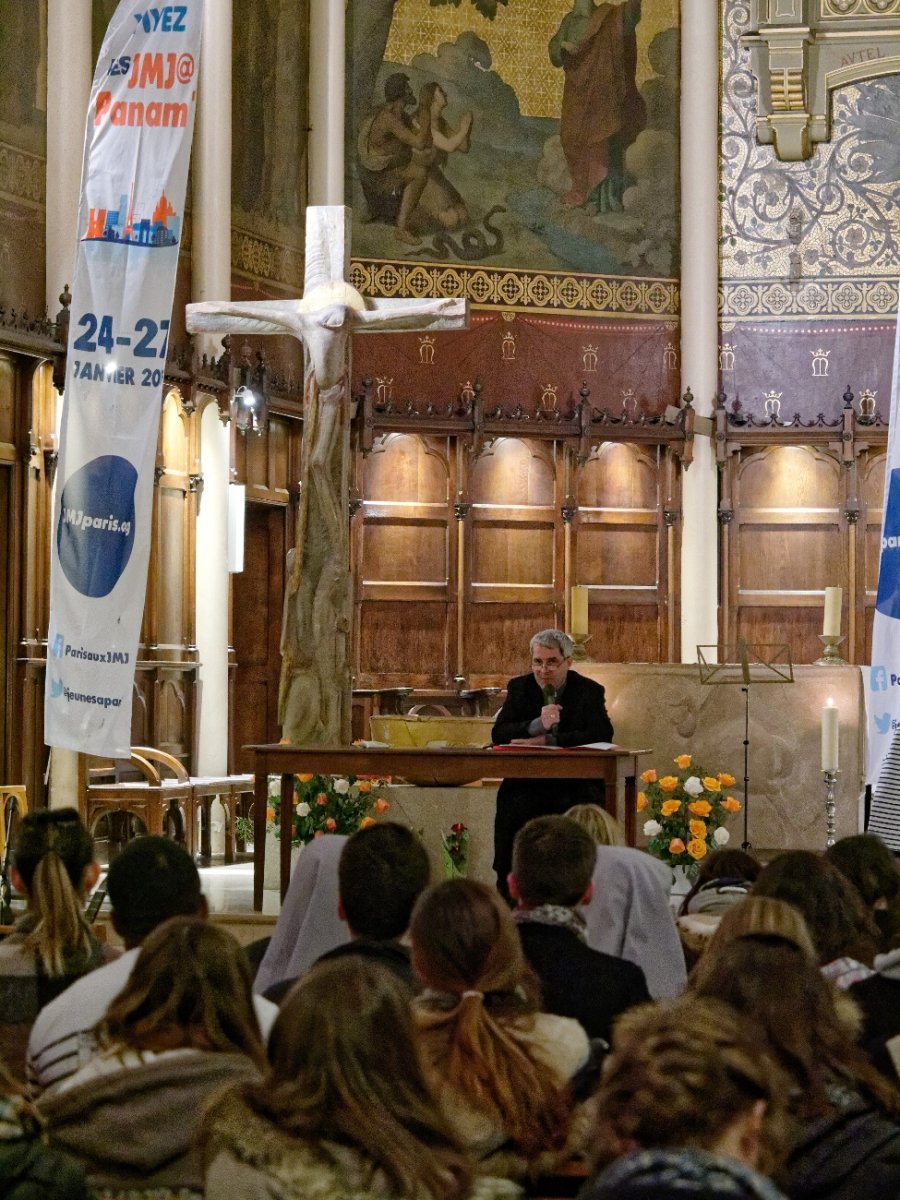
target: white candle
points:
(831, 626)
(579, 599)
(830, 730)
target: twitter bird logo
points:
(883, 723)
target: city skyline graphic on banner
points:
(119, 226)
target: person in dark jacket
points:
(553, 865)
(382, 871)
(552, 706)
(848, 1114)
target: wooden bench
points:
(166, 798)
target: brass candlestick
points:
(830, 778)
(830, 657)
(579, 647)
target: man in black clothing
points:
(552, 706)
(553, 861)
(381, 873)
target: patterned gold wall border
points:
(261, 260)
(23, 177)
(849, 299)
(520, 291)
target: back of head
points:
(723, 868)
(553, 861)
(190, 986)
(601, 825)
(869, 864)
(465, 945)
(383, 870)
(763, 915)
(52, 853)
(151, 880)
(680, 1073)
(343, 1049)
(770, 980)
(464, 939)
(831, 906)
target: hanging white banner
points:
(134, 177)
(883, 676)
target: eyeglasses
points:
(546, 662)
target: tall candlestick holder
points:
(830, 656)
(579, 647)
(830, 778)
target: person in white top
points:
(152, 880)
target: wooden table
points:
(450, 766)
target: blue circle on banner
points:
(95, 534)
(888, 600)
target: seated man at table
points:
(551, 878)
(551, 706)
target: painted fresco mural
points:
(553, 131)
(23, 154)
(524, 155)
(809, 250)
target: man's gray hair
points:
(553, 639)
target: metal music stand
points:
(745, 664)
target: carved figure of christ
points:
(315, 686)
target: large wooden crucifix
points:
(314, 693)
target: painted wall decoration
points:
(533, 364)
(270, 71)
(809, 250)
(543, 139)
(23, 154)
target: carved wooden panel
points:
(405, 562)
(257, 599)
(497, 641)
(6, 633)
(788, 542)
(7, 401)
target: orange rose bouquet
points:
(684, 813)
(327, 804)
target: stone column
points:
(69, 77)
(211, 279)
(327, 76)
(700, 67)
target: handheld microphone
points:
(549, 694)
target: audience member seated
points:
(723, 877)
(553, 865)
(502, 1071)
(151, 880)
(844, 934)
(183, 1028)
(691, 1106)
(848, 1146)
(602, 826)
(764, 915)
(872, 869)
(308, 924)
(344, 1110)
(381, 873)
(29, 1169)
(628, 914)
(52, 944)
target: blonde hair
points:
(603, 828)
(465, 945)
(763, 915)
(52, 851)
(680, 1073)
